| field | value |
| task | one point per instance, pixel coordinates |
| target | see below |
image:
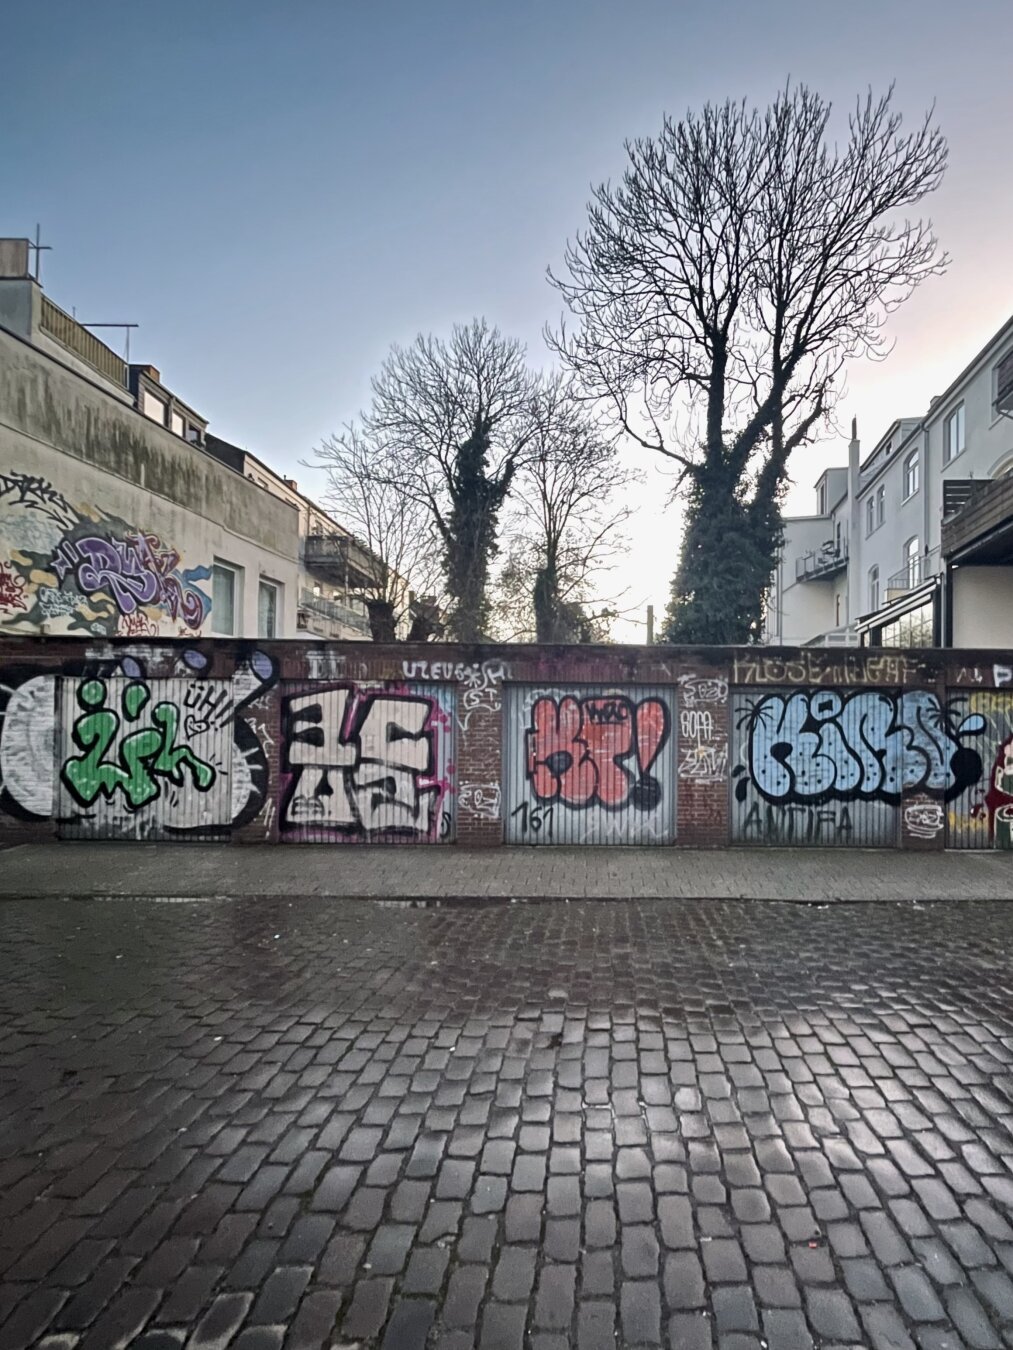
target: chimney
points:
(14, 259)
(290, 482)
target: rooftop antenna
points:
(125, 326)
(38, 247)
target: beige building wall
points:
(982, 607)
(110, 524)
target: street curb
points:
(479, 901)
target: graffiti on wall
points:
(114, 752)
(827, 668)
(588, 765)
(481, 800)
(982, 815)
(815, 746)
(596, 751)
(703, 740)
(827, 766)
(88, 571)
(368, 762)
(481, 683)
(138, 572)
(924, 820)
(12, 588)
(121, 751)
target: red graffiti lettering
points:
(596, 751)
(12, 588)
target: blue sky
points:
(276, 192)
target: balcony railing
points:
(823, 562)
(957, 492)
(915, 571)
(84, 344)
(341, 558)
(351, 613)
(845, 636)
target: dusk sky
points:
(277, 192)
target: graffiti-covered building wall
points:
(297, 742)
(112, 525)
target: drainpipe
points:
(855, 606)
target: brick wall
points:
(347, 742)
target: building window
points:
(880, 504)
(870, 516)
(175, 423)
(873, 589)
(153, 407)
(911, 466)
(953, 435)
(224, 598)
(913, 561)
(913, 629)
(267, 610)
(821, 500)
(1002, 384)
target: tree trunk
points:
(381, 620)
(545, 600)
(728, 552)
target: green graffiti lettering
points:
(145, 755)
(170, 760)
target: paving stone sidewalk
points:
(296, 1122)
(200, 870)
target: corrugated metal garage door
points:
(818, 767)
(981, 816)
(589, 764)
(145, 758)
(368, 763)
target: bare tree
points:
(718, 291)
(456, 418)
(569, 504)
(395, 528)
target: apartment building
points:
(335, 569)
(120, 515)
(912, 545)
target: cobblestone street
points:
(320, 1123)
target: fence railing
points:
(914, 572)
(83, 343)
(822, 562)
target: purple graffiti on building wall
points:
(136, 571)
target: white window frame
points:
(149, 401)
(873, 585)
(913, 560)
(267, 583)
(950, 455)
(870, 514)
(220, 564)
(912, 473)
(880, 505)
(176, 423)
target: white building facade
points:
(874, 565)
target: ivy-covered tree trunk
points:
(720, 587)
(469, 535)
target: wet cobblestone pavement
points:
(318, 1123)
